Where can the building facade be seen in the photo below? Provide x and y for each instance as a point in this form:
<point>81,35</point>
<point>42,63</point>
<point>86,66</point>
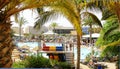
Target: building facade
<point>68,30</point>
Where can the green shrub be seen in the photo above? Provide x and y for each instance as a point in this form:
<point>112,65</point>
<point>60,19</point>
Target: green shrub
<point>64,65</point>
<point>60,64</point>
<point>18,64</point>
<point>37,62</point>
<point>33,62</point>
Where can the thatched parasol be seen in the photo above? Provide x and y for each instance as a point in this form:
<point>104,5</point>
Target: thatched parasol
<point>35,48</point>
<point>25,47</point>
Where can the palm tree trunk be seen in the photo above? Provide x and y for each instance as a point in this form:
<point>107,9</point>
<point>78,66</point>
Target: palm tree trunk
<point>78,50</point>
<point>118,59</point>
<point>117,11</point>
<point>6,45</point>
<point>118,15</point>
<point>20,32</point>
<point>90,34</point>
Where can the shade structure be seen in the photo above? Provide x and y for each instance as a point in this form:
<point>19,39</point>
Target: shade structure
<point>18,35</point>
<point>35,48</point>
<point>25,47</point>
<point>94,35</point>
<point>49,33</point>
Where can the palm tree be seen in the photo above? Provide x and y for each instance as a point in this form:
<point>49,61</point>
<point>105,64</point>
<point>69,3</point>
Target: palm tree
<point>54,25</point>
<point>110,29</point>
<point>90,20</point>
<point>114,7</point>
<point>72,13</point>
<point>109,36</point>
<point>113,43</point>
<point>21,21</point>
<point>7,9</point>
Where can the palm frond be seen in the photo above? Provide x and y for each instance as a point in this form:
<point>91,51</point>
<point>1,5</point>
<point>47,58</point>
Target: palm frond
<point>87,20</point>
<point>95,4</point>
<point>68,9</point>
<point>28,4</point>
<point>115,43</point>
<point>113,24</point>
<point>21,21</point>
<point>46,16</point>
<point>54,24</point>
<point>40,10</point>
<point>95,18</point>
<point>106,14</point>
<point>113,50</point>
<point>3,3</point>
<point>113,36</point>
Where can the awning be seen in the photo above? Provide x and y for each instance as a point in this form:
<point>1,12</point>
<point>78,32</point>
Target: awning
<point>49,33</point>
<point>94,35</point>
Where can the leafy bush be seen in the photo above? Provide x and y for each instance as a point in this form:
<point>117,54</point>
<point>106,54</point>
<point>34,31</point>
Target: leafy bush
<point>64,65</point>
<point>18,64</point>
<point>37,62</point>
<point>33,62</point>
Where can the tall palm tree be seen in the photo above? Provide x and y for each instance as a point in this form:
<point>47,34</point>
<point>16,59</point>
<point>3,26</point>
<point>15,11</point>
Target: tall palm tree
<point>69,9</point>
<point>109,13</point>
<point>90,19</point>
<point>114,7</point>
<point>8,8</point>
<point>109,36</point>
<point>54,25</point>
<point>21,21</point>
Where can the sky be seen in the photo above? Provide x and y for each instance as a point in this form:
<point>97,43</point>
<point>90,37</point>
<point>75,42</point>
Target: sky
<point>31,16</point>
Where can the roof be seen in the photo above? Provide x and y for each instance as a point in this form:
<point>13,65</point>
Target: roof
<point>94,35</point>
<point>61,27</point>
<point>49,33</point>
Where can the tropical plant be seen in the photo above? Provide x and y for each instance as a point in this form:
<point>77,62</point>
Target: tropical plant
<point>21,21</point>
<point>112,5</point>
<point>12,33</point>
<point>88,57</point>
<point>44,16</point>
<point>53,25</point>
<point>109,34</point>
<point>62,65</point>
<point>65,65</point>
<point>88,20</point>
<point>96,29</point>
<point>109,38</point>
<point>110,45</point>
<point>7,9</point>
<point>19,64</point>
<point>109,6</point>
<point>91,20</point>
<point>37,62</point>
<point>33,62</point>
<point>71,11</point>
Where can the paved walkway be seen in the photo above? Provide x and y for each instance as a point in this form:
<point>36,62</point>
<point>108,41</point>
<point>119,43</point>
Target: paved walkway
<point>110,65</point>
<point>82,66</point>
